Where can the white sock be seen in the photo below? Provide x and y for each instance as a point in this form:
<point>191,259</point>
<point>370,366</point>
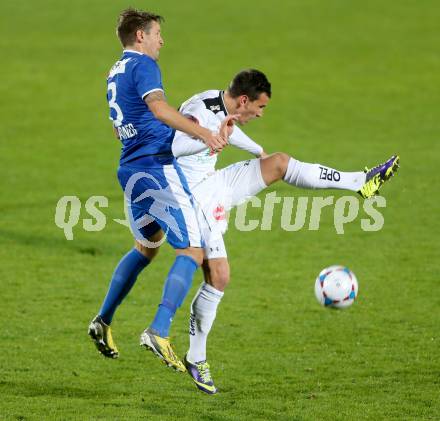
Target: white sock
<point>317,176</point>
<point>203,312</point>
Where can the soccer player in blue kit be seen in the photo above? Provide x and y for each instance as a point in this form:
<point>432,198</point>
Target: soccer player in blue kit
<point>158,197</point>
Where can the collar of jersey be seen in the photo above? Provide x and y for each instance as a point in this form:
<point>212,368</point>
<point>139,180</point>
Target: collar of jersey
<point>133,51</point>
<point>222,93</point>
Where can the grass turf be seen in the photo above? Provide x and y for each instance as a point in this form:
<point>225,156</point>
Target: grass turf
<point>352,83</point>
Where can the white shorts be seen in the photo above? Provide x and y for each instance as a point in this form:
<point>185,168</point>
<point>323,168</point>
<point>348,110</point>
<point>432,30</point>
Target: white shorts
<point>219,193</point>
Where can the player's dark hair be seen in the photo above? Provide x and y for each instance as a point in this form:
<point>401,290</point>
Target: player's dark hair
<point>249,82</point>
<point>130,21</point>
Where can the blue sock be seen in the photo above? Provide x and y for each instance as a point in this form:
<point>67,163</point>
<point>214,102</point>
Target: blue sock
<point>176,288</point>
<point>122,281</point>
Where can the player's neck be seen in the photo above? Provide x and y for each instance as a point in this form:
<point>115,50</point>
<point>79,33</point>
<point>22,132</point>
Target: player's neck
<point>139,48</point>
<point>230,103</point>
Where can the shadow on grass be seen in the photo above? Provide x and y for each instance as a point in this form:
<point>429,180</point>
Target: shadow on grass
<point>94,397</point>
<point>49,242</point>
<point>34,389</point>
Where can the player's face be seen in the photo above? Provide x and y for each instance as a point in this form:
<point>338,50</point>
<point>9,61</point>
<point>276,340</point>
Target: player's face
<point>248,110</point>
<point>152,41</point>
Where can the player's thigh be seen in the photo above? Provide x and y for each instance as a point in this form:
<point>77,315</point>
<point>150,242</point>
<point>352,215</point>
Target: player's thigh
<point>223,190</point>
<point>160,198</point>
<point>241,181</point>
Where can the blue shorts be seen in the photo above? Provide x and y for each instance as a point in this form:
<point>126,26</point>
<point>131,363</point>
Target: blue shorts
<point>158,197</point>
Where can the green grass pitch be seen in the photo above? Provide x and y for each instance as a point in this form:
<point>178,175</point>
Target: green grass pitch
<point>353,82</point>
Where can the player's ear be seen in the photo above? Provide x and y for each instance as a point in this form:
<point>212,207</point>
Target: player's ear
<point>140,35</point>
<point>243,99</point>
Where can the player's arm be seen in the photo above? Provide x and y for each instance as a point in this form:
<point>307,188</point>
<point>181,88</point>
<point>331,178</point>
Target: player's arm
<point>185,145</point>
<point>164,112</point>
<point>242,141</point>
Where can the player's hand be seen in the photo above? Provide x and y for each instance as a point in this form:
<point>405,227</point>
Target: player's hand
<point>214,141</point>
<point>262,155</point>
<point>217,141</point>
<point>225,130</point>
<point>227,126</point>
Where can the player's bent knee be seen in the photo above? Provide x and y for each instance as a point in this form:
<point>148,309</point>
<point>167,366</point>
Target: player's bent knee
<point>148,252</point>
<point>274,167</point>
<point>281,163</point>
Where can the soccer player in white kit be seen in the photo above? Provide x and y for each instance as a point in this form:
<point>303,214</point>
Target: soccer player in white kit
<point>216,192</point>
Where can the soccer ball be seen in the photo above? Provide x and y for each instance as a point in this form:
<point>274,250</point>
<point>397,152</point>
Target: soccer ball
<point>336,286</point>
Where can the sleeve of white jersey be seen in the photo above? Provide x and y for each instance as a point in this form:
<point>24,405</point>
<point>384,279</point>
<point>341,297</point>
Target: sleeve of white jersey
<point>183,144</point>
<point>240,140</point>
<point>196,110</point>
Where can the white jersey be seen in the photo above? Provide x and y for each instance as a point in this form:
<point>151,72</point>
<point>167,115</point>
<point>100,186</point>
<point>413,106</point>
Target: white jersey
<point>197,162</point>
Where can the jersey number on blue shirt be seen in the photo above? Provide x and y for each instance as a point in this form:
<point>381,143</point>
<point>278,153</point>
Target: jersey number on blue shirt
<point>112,103</point>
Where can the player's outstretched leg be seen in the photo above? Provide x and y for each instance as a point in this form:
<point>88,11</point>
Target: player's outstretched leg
<point>101,335</point>
<point>280,166</point>
<point>377,176</point>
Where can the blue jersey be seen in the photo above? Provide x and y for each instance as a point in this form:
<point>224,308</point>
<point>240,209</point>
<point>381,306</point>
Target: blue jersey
<point>133,77</point>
